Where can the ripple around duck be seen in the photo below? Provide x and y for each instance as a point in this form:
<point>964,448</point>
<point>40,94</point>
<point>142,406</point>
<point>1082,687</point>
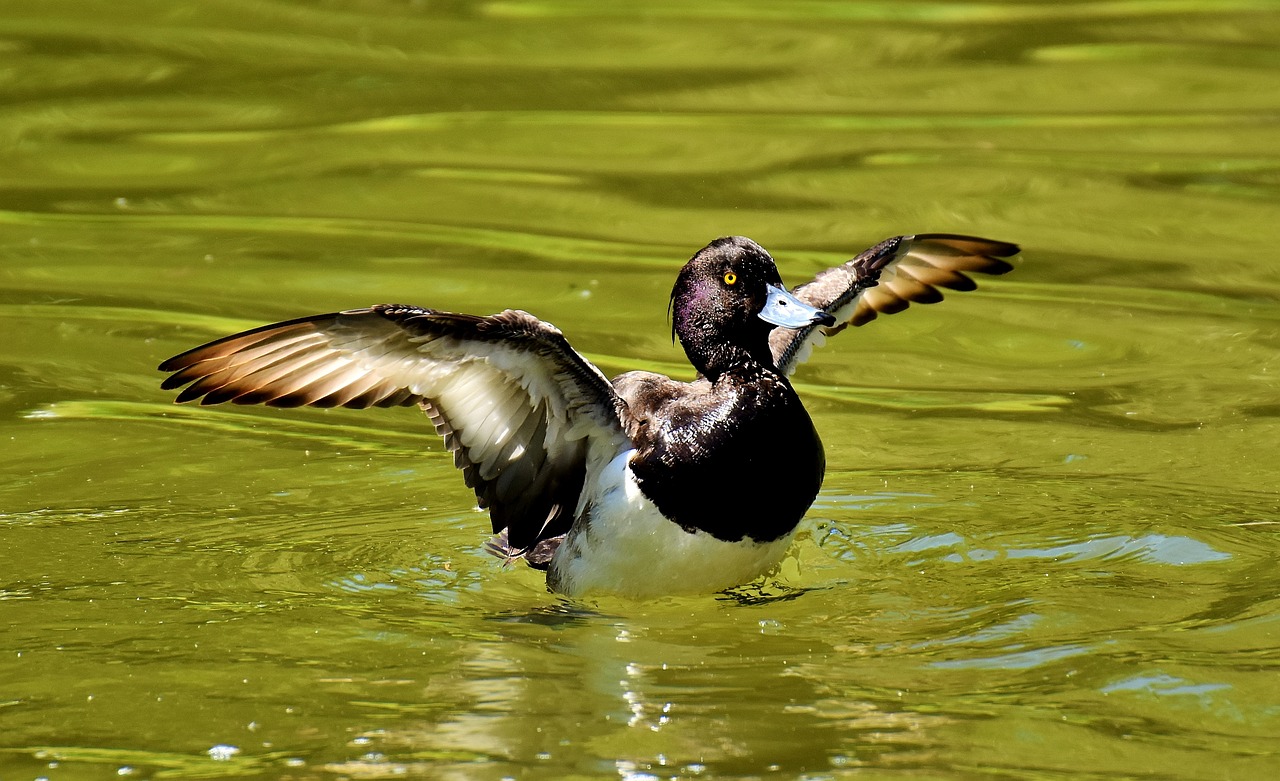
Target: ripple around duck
<point>560,248</point>
<point>917,12</point>
<point>330,434</point>
<point>217,762</point>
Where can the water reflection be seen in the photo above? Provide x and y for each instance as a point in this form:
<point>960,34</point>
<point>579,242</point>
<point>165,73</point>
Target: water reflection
<point>599,691</point>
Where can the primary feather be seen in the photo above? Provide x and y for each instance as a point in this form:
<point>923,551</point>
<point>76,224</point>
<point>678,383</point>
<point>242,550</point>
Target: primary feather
<point>886,279</point>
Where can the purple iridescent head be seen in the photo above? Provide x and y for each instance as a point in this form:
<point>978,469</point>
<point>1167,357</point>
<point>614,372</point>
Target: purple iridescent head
<point>727,299</point>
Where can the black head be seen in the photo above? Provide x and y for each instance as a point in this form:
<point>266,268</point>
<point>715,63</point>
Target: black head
<point>727,299</point>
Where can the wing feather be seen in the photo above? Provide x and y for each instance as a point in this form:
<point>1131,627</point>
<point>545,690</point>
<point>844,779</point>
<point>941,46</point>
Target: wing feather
<point>886,279</point>
<point>519,408</point>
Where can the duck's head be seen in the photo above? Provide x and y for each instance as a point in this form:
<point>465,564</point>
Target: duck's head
<point>727,299</point>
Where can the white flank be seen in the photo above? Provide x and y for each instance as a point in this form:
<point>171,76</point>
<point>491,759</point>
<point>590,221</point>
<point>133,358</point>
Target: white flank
<point>629,549</point>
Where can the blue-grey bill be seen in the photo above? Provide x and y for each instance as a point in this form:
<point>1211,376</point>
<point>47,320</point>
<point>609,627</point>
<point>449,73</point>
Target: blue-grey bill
<point>784,309</point>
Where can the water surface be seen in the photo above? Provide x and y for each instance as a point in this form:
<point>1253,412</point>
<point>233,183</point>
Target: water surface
<point>1046,546</point>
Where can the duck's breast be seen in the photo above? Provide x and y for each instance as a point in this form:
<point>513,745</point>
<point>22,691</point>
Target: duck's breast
<point>623,545</point>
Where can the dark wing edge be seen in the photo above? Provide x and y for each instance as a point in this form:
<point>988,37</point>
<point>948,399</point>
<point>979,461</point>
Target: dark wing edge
<point>886,279</point>
<point>517,406</point>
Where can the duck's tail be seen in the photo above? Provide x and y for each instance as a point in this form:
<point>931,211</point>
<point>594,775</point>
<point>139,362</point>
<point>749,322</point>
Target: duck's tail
<point>537,556</point>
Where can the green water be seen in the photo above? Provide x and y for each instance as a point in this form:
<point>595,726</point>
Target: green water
<point>1047,543</point>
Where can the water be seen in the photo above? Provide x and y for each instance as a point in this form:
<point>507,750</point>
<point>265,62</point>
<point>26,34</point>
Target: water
<point>1046,545</point>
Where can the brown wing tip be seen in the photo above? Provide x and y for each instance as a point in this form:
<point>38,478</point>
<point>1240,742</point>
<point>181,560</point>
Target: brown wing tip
<point>187,372</point>
<point>862,315</point>
<point>941,261</point>
<point>986,264</point>
<point>172,382</point>
<point>956,244</point>
<point>186,360</point>
<point>279,365</point>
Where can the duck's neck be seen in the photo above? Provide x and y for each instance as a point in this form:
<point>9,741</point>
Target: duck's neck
<point>713,361</point>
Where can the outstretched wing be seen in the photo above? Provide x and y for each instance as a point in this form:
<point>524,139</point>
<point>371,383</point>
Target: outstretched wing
<point>515,403</point>
<point>885,279</point>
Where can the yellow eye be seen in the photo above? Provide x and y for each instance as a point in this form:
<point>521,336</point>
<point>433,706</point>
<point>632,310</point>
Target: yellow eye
<point>730,278</point>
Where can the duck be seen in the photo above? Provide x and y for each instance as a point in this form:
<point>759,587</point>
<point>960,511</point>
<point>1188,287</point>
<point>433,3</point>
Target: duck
<point>641,486</point>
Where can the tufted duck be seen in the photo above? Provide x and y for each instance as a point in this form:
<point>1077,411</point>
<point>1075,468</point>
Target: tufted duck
<point>638,487</point>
